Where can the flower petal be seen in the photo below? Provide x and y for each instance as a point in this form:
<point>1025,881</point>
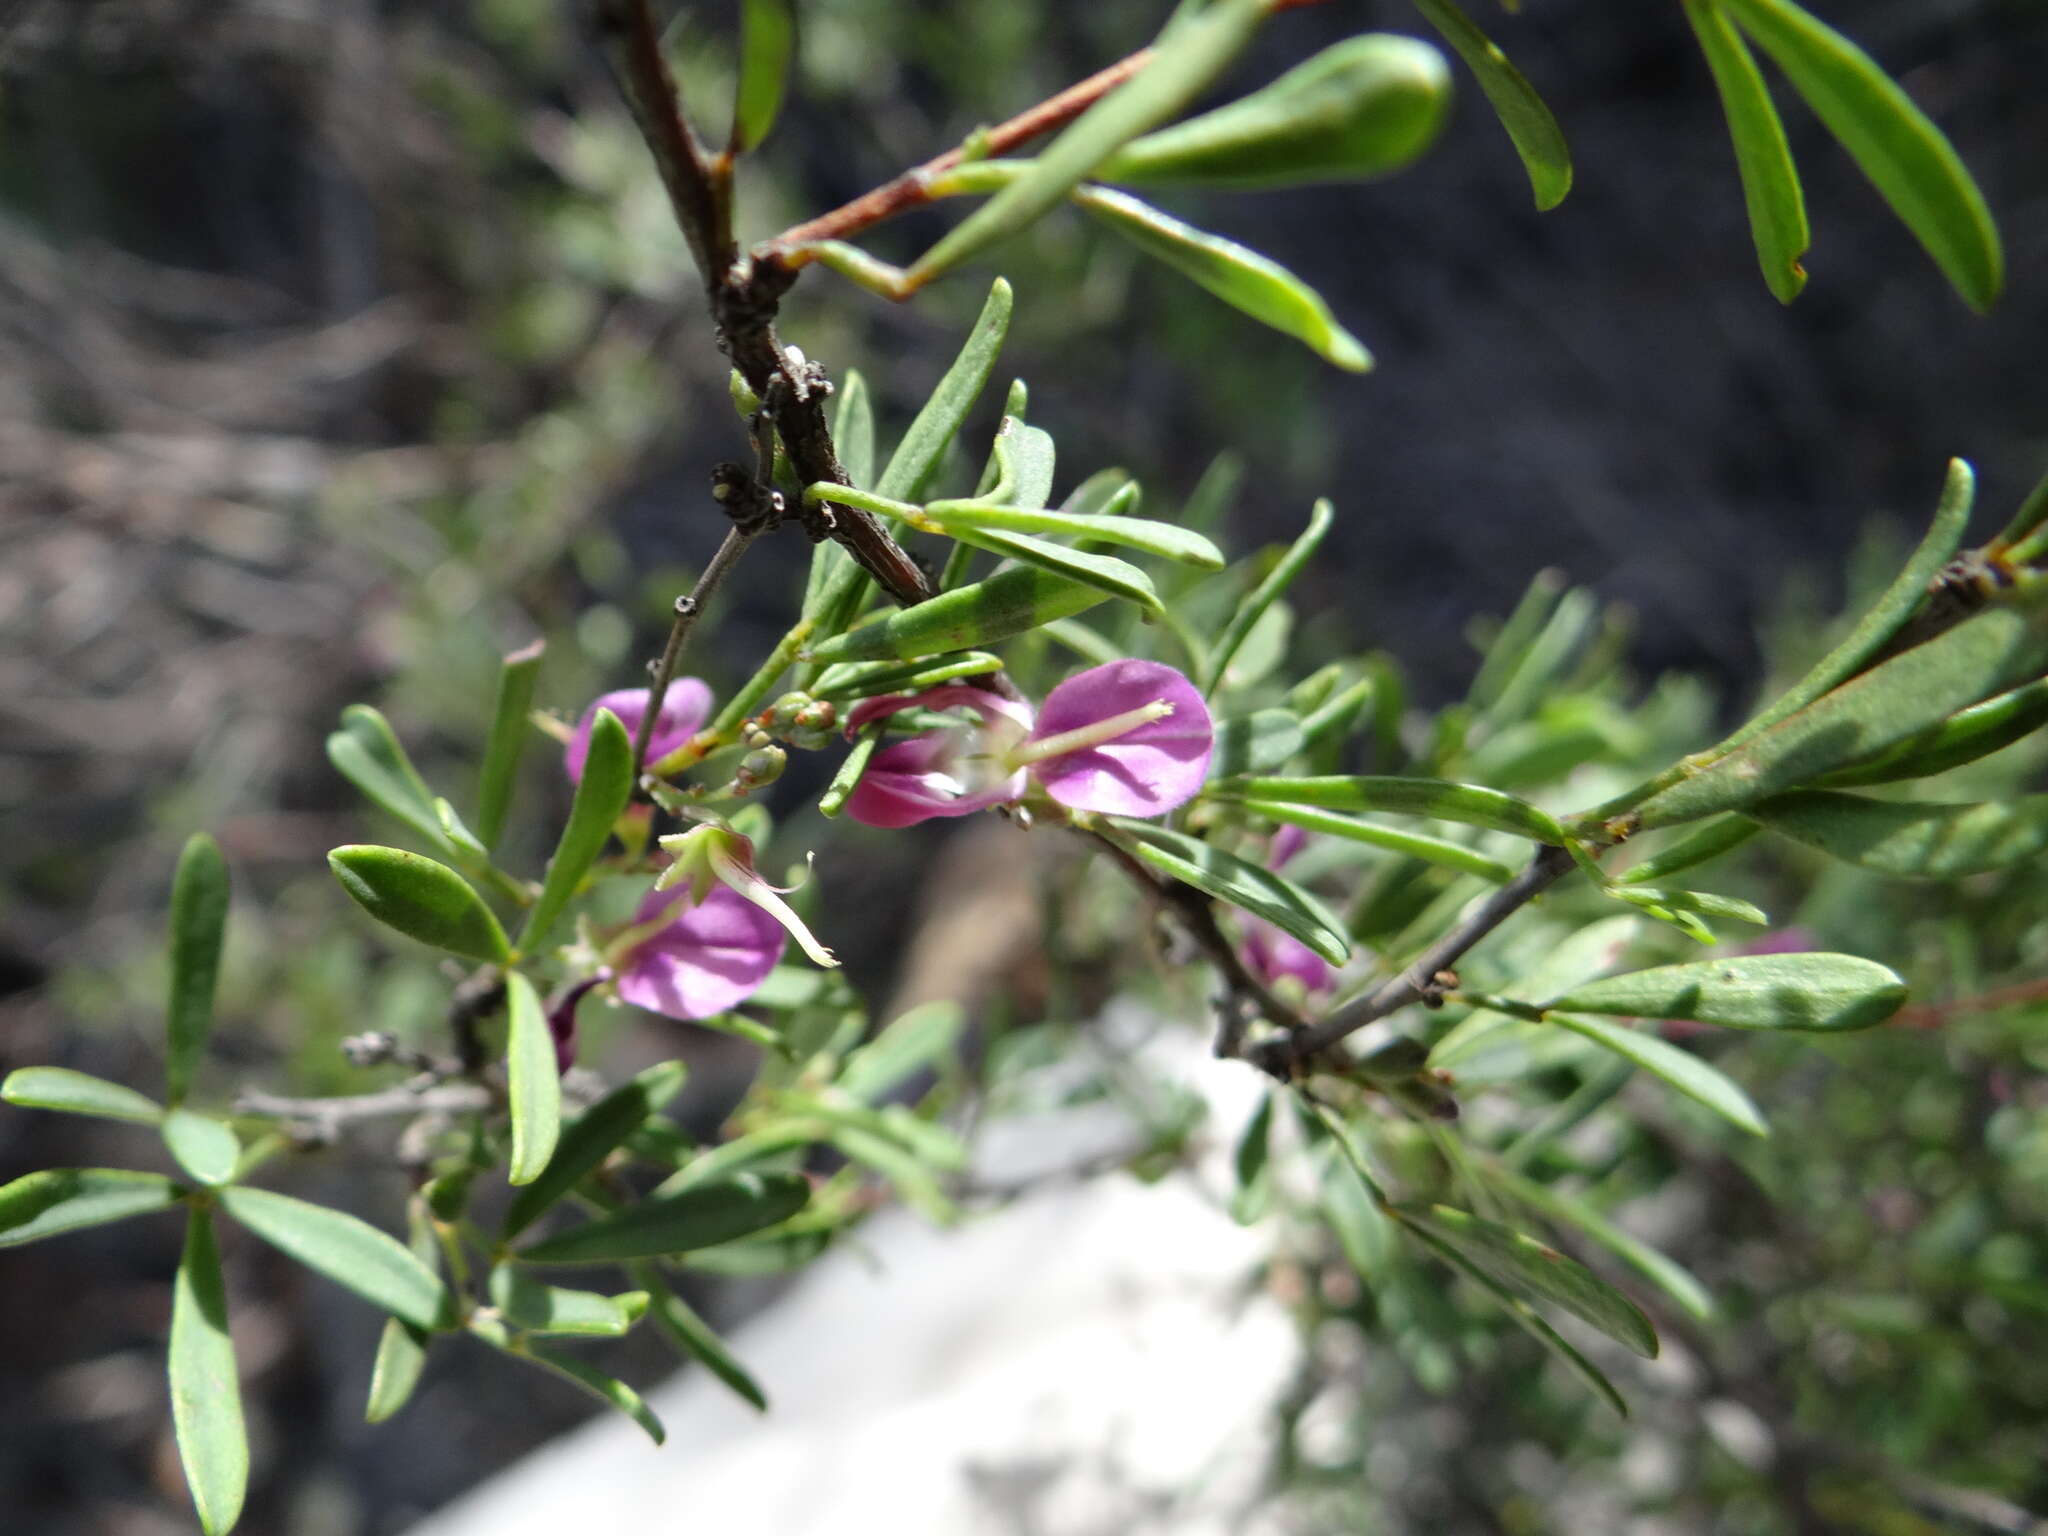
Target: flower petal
<point>684,709</point>
<point>714,956</point>
<point>991,706</point>
<point>1271,953</point>
<point>1287,842</point>
<point>1149,769</point>
<point>914,781</point>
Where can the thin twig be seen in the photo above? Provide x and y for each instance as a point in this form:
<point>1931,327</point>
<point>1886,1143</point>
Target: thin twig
<point>328,1117</point>
<point>1284,1057</point>
<point>1934,1015</point>
<point>688,607</point>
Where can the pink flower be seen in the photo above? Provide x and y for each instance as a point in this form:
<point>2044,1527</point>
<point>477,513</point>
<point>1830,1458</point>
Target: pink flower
<point>693,959</point>
<point>1132,738</point>
<point>684,709</point>
<point>1272,952</point>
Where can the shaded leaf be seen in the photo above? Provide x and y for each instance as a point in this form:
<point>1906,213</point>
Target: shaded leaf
<point>1806,992</point>
<point>1763,159</point>
<point>510,730</point>
<point>867,680</point>
<point>534,1086</point>
<point>1696,1079</point>
<point>204,1147</point>
<point>699,1217</point>
<point>199,916</point>
<point>1529,124</point>
<point>77,1093</point>
<point>1911,839</point>
<point>1416,845</point>
<point>692,1336</point>
<point>366,752</point>
<point>917,1039</point>
<point>206,1393</point>
<point>55,1200</point>
<point>1008,603</point>
<point>1473,804</point>
<point>1668,1276</point>
<point>1169,541</point>
<point>421,899</point>
<point>1118,578</point>
<point>534,1307</point>
<point>606,1389</point>
<point>767,44</point>
<point>1267,592</point>
<point>401,1357</point>
<point>1228,878</point>
<point>1695,848</point>
<point>1250,1162</point>
<point>589,1139</point>
<point>1963,737</point>
<point>350,1252</point>
<point>601,796</point>
<point>1255,743</point>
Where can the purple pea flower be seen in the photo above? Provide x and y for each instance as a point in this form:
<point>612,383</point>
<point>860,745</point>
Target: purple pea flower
<point>691,959</point>
<point>684,709</point>
<point>1272,952</point>
<point>1132,738</point>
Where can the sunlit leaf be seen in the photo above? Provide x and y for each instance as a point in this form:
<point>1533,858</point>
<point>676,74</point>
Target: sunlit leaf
<point>602,794</point>
<point>1473,804</point>
<point>199,915</point>
<point>1694,1078</point>
<point>535,1307</point>
<point>350,1252</point>
<point>54,1200</point>
<point>1802,992</point>
<point>698,1217</point>
<point>401,1357</point>
<point>917,1039</point>
<point>1169,541</point>
<point>1262,597</point>
<point>1255,743</point>
<point>1416,845</point>
<point>1010,602</point>
<point>1529,124</point>
<point>1963,737</point>
<point>534,1086</point>
<point>510,731</point>
<point>366,752</point>
<point>1671,1278</point>
<point>1763,159</point>
<point>692,1336</point>
<point>767,44</point>
<point>1911,839</point>
<point>204,1147</point>
<point>1225,876</point>
<point>1117,578</point>
<point>421,899</point>
<point>77,1093</point>
<point>206,1393</point>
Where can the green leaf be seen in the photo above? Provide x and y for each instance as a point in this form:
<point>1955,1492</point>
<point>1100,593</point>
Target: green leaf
<point>1254,1191</point>
<point>698,1217</point>
<point>1416,845</point>
<point>1473,804</point>
<point>421,899</point>
<point>600,798</point>
<point>1116,577</point>
<point>606,1389</point>
<point>1106,492</point>
<point>1236,274</point>
<point>1697,847</point>
<point>1010,602</point>
<point>917,456</point>
<point>537,1308</point>
<point>1526,1317</point>
<point>1255,743</point>
<point>589,1139</point>
<point>869,680</point>
<point>1190,53</point>
<point>1963,737</point>
<point>1911,839</point>
<point>1668,1276</point>
<point>916,1039</point>
<point>1706,903</point>
<point>1806,992</point>
<point>692,1336</point>
<point>1167,540</point>
<point>1024,458</point>
<point>1903,154</point>
<point>767,43</point>
<point>1770,181</point>
<point>914,1182</point>
<point>1533,1269</point>
<point>1877,710</point>
<point>1228,878</point>
<point>1907,592</point>
<point>534,1086</point>
<point>846,778</point>
<point>352,1253</point>
<point>853,428</point>
<point>77,1093</point>
<point>1537,138</point>
<point>206,1393</point>
<point>199,917</point>
<point>40,1205</point>
<point>401,1357</point>
<point>1267,592</point>
<point>1681,1069</point>
<point>366,752</point>
<point>510,731</point>
<point>1364,107</point>
<point>204,1147</point>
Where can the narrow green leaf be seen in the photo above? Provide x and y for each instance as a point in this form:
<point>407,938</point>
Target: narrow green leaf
<point>1706,903</point>
<point>600,798</point>
<point>1763,159</point>
<point>1694,1078</point>
<point>917,456</point>
<point>869,680</point>
<point>1228,878</point>
<point>77,1093</point>
<point>1104,493</point>
<point>692,1336</point>
<point>1963,737</point>
<point>204,1147</point>
<point>401,1357</point>
<point>1473,804</point>
<point>1239,276</point>
<point>199,917</point>
<point>1536,1270</point>
<point>1118,578</point>
<point>1907,592</point>
<point>589,1139</point>
<point>1538,666</point>
<point>1255,743</point>
<point>1537,138</point>
<point>1167,540</point>
<point>767,44</point>
<point>1904,155</point>
<point>1010,602</point>
<point>366,752</point>
<point>916,1039</point>
<point>510,730</point>
<point>1694,849</point>
<point>1525,1316</point>
<point>206,1392</point>
<point>1416,845</point>
<point>534,1087</point>
<point>1267,592</point>
<point>534,1307</point>
<point>1253,1194</point>
<point>1190,54</point>
<point>54,1200</point>
<point>1911,839</point>
<point>847,777</point>
<point>352,1253</point>
<point>1364,107</point>
<point>1872,712</point>
<point>421,899</point>
<point>853,428</point>
<point>1673,1279</point>
<point>916,1185</point>
<point>1024,458</point>
<point>1806,992</point>
<point>698,1217</point>
<point>1503,655</point>
<point>606,1389</point>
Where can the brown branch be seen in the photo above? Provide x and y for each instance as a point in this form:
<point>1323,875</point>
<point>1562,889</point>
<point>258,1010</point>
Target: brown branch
<point>1285,1057</point>
<point>1934,1015</point>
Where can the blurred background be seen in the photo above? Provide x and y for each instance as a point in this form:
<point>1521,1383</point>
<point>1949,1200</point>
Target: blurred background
<point>344,346</point>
